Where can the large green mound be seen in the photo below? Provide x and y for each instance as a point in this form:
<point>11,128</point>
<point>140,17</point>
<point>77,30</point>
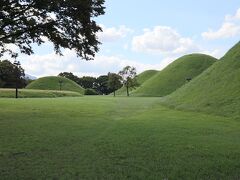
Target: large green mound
<point>52,83</point>
<point>146,75</point>
<point>217,90</point>
<point>141,78</point>
<point>175,75</point>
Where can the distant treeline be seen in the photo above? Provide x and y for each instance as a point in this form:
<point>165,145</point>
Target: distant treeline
<point>99,85</point>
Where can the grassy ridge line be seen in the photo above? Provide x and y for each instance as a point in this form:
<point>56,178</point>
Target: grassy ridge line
<point>174,75</point>
<point>31,93</point>
<point>216,91</point>
<point>141,78</point>
<point>52,83</point>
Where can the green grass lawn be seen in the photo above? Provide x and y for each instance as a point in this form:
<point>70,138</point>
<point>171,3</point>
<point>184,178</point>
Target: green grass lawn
<point>34,93</point>
<point>114,138</point>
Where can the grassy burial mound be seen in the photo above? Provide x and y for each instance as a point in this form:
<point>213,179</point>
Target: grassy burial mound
<point>54,83</point>
<point>217,90</point>
<point>146,75</point>
<point>141,78</point>
<point>175,75</point>
<point>34,93</point>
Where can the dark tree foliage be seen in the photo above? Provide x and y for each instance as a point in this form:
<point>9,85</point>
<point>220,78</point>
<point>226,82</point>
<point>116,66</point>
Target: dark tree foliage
<point>129,75</point>
<point>66,23</point>
<point>87,82</point>
<point>101,85</point>
<point>9,74</point>
<point>70,76</point>
<point>114,82</point>
<point>104,84</point>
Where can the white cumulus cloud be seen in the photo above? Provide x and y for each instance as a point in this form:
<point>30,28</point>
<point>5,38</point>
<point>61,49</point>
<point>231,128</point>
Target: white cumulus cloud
<point>113,34</point>
<point>233,17</point>
<point>52,64</point>
<point>229,28</point>
<point>162,40</point>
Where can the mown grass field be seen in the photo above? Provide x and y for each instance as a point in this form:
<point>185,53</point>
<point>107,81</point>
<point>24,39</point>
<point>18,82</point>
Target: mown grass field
<point>114,138</point>
<point>34,93</point>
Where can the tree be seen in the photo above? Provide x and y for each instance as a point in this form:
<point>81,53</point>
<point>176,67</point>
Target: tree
<point>87,82</point>
<point>65,23</point>
<point>129,75</point>
<point>10,75</point>
<point>70,76</point>
<point>114,82</point>
<point>101,85</point>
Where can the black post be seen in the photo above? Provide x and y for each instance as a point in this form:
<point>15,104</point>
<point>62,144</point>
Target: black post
<point>17,65</point>
<point>16,93</point>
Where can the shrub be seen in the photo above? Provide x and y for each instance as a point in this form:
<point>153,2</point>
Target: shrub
<point>90,91</point>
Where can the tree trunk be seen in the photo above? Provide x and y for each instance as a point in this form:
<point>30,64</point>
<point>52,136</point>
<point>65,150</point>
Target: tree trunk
<point>114,93</point>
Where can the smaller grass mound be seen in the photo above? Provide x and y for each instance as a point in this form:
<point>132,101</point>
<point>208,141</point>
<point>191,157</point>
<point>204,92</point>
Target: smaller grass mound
<point>175,75</point>
<point>53,83</point>
<point>141,78</point>
<point>31,93</point>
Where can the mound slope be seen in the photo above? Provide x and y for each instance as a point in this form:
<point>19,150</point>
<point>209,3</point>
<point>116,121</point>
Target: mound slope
<point>174,75</point>
<point>141,78</point>
<point>52,83</point>
<point>217,90</point>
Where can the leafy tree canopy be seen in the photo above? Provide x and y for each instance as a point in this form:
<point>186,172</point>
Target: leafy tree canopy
<point>66,23</point>
<point>101,85</point>
<point>114,82</point>
<point>70,75</point>
<point>129,75</point>
<point>9,74</point>
<point>87,82</point>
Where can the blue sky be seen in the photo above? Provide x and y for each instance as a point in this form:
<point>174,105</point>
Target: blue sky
<point>148,35</point>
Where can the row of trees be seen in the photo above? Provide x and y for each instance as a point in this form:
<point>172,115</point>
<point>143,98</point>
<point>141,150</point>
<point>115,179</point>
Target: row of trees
<point>99,84</point>
<point>106,84</point>
<point>10,75</point>
<point>67,24</point>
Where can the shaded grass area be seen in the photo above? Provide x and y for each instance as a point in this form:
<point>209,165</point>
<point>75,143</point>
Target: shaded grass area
<point>30,93</point>
<point>114,138</point>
